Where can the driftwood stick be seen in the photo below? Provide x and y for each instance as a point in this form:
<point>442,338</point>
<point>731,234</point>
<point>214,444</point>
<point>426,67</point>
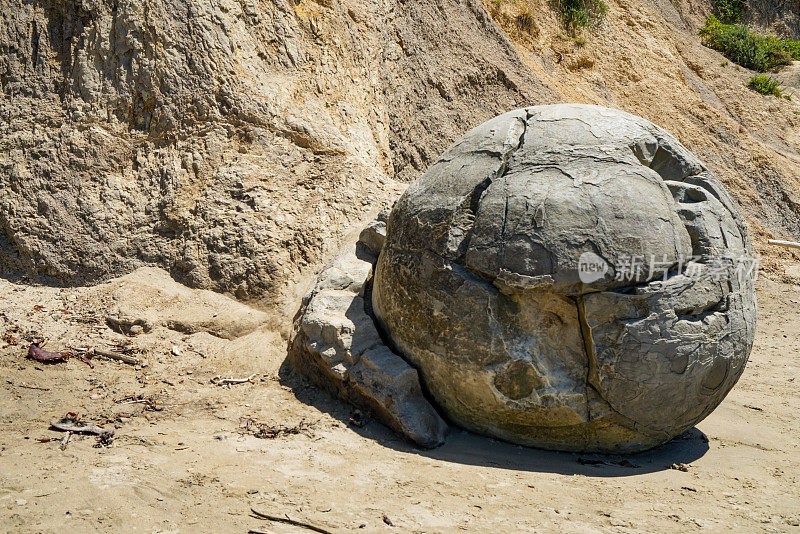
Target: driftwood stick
<point>69,424</point>
<point>289,521</point>
<point>26,386</point>
<point>32,387</point>
<point>790,244</point>
<point>116,356</point>
<point>228,381</point>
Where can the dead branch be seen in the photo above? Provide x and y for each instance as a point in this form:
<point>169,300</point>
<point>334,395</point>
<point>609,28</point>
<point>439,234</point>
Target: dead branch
<point>27,386</point>
<point>228,381</point>
<point>116,356</point>
<point>70,424</point>
<point>289,521</point>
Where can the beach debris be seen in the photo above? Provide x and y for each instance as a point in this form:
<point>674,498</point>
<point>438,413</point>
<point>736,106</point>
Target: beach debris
<point>84,359</point>
<point>71,423</point>
<point>116,356</point>
<point>111,355</point>
<point>9,339</point>
<point>248,425</point>
<point>26,386</point>
<point>149,402</point>
<point>289,521</point>
<point>219,381</point>
<point>37,353</point>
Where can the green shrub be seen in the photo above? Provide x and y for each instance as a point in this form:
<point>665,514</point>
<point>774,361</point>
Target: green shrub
<point>579,13</point>
<point>729,10</point>
<point>750,50</point>
<point>767,86</point>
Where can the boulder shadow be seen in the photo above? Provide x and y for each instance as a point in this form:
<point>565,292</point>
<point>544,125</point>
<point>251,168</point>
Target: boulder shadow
<point>464,447</point>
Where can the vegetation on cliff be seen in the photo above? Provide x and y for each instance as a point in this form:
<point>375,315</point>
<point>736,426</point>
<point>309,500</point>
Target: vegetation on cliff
<point>750,50</point>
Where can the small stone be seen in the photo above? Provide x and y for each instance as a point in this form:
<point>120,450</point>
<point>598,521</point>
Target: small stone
<point>373,236</point>
<point>135,330</point>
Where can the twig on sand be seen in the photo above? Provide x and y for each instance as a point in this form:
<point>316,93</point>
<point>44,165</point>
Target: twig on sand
<point>289,521</point>
<point>23,385</point>
<point>70,424</point>
<point>116,356</point>
<point>81,351</point>
<point>140,399</point>
<point>228,381</point>
<point>84,359</point>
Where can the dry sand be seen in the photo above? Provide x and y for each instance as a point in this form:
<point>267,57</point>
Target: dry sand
<point>192,468</point>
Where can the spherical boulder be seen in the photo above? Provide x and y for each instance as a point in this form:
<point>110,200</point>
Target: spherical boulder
<point>569,277</point>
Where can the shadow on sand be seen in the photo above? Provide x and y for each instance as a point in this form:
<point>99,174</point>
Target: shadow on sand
<point>467,448</point>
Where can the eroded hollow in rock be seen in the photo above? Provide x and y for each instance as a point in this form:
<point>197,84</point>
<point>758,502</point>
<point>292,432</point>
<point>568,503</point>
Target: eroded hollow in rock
<point>479,283</point>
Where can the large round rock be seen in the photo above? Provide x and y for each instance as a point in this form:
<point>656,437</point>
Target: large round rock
<point>569,277</point>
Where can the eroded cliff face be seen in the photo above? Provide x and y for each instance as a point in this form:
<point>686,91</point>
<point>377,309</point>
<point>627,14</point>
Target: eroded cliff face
<point>232,143</point>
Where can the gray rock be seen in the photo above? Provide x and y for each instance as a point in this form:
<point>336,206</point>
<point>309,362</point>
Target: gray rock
<point>480,284</point>
<point>373,236</point>
<point>338,347</point>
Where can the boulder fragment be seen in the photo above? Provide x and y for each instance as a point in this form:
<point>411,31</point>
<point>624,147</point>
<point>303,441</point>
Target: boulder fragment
<point>338,346</point>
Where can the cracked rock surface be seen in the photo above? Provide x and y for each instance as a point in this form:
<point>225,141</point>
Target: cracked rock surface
<point>478,283</point>
<point>338,346</point>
